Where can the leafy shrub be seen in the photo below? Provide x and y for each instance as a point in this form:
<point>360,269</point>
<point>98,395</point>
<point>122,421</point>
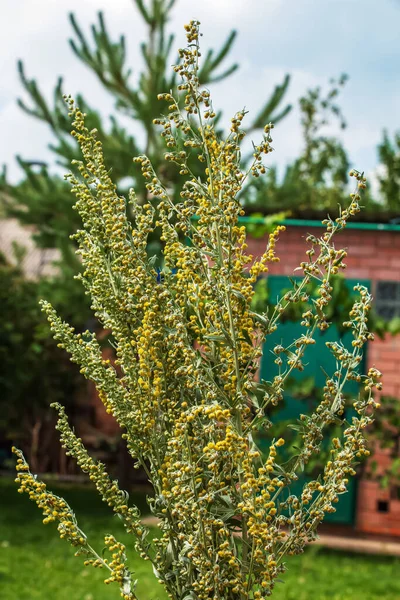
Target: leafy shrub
<point>188,344</point>
<point>33,371</point>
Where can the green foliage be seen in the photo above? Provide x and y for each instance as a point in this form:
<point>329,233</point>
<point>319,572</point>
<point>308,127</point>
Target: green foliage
<point>50,207</point>
<point>389,180</point>
<point>317,180</point>
<point>259,225</point>
<point>33,371</point>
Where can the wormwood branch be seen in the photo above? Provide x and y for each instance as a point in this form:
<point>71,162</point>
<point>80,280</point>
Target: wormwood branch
<point>108,490</point>
<point>56,509</point>
<point>187,347</point>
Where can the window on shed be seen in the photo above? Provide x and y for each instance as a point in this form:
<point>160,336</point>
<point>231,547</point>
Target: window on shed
<point>387,299</point>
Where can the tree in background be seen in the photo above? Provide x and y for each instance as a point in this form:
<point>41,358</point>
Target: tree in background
<point>33,370</point>
<point>317,180</point>
<point>43,199</point>
<point>389,179</point>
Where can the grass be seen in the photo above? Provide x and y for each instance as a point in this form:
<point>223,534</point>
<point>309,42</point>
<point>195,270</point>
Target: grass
<point>36,565</point>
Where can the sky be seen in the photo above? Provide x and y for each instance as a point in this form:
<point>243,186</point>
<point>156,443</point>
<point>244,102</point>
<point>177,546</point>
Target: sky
<point>313,40</point>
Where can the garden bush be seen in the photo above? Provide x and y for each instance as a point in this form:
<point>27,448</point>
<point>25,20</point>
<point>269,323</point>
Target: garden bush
<point>187,346</point>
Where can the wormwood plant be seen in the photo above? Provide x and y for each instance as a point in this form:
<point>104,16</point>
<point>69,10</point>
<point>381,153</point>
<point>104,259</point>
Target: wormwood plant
<point>187,347</point>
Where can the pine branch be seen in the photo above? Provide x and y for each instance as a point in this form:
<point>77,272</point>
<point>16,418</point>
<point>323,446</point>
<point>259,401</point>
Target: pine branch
<point>107,60</point>
<point>41,110</point>
<point>266,114</point>
<point>212,62</point>
<point>143,10</point>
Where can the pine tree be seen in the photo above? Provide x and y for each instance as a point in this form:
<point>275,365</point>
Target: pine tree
<point>43,199</point>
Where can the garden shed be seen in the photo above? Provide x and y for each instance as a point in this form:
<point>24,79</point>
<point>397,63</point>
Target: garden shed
<point>373,260</point>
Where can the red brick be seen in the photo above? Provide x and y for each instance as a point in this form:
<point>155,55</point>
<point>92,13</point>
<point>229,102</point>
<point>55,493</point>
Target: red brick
<point>390,378</point>
<point>387,275</point>
<point>394,262</point>
<point>390,355</point>
<point>358,273</point>
<point>385,240</point>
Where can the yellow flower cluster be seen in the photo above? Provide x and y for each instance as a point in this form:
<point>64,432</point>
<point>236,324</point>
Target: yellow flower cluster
<point>119,572</point>
<point>54,509</point>
<point>108,489</point>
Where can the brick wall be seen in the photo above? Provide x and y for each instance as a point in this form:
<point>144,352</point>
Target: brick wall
<point>375,256</point>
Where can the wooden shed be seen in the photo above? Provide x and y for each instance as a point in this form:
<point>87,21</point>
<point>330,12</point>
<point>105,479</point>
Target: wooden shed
<point>373,260</point>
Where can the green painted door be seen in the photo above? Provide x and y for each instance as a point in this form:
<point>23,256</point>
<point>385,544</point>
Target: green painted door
<point>318,360</point>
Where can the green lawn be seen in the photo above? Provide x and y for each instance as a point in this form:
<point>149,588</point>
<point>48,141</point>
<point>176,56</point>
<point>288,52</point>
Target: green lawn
<point>36,565</point>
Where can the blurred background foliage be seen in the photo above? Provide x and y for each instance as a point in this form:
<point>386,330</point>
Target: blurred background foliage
<point>33,371</point>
